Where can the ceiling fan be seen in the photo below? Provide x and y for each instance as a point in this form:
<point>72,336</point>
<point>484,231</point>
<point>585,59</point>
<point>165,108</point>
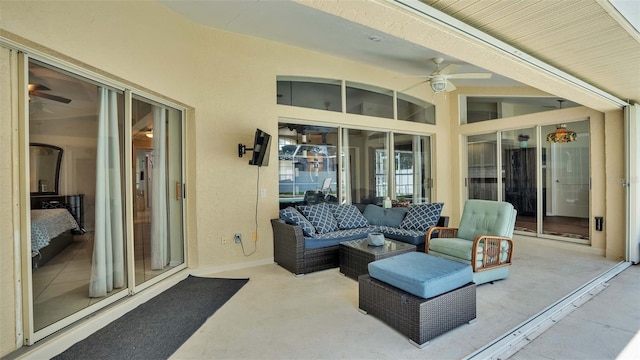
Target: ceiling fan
<point>440,77</point>
<point>36,90</point>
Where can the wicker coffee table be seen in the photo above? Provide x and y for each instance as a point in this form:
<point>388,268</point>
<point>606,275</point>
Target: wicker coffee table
<point>355,255</point>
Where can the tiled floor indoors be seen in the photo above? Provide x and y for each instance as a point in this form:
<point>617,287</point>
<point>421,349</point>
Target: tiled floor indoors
<point>280,316</point>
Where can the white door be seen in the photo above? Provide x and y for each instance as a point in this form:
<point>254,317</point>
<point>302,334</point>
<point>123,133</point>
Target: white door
<point>570,178</point>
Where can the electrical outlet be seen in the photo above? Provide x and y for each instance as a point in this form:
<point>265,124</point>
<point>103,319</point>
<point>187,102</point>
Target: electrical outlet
<point>254,236</point>
<point>223,240</point>
<point>263,192</point>
<point>238,238</point>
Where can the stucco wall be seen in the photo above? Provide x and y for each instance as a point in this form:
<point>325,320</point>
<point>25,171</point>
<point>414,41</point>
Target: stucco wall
<point>614,168</point>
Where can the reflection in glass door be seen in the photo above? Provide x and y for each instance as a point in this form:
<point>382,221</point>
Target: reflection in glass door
<point>567,184</point>
<point>365,165</point>
<point>412,167</point>
<point>71,223</point>
<point>519,169</point>
<point>158,190</point>
<point>482,178</point>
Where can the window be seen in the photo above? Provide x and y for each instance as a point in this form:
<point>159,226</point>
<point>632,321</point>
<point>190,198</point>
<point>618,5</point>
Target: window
<point>362,99</point>
<point>308,164</point>
<point>369,100</point>
<point>416,110</point>
<point>483,108</point>
<point>320,94</point>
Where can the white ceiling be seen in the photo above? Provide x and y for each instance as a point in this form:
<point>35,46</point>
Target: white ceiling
<point>586,39</point>
<point>295,24</point>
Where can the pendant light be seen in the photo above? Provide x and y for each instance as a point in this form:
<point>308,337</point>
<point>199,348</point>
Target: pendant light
<point>562,134</point>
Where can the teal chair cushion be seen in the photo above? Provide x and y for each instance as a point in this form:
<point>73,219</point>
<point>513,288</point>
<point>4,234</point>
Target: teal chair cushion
<point>484,217</point>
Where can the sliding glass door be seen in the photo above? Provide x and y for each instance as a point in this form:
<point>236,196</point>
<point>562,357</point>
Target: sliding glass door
<point>308,164</point>
<point>81,256</point>
<point>78,245</point>
<point>566,182</point>
<point>353,169</point>
<point>156,132</point>
<point>520,176</point>
<point>546,181</point>
<point>482,174</point>
<point>366,165</point>
<point>412,169</point>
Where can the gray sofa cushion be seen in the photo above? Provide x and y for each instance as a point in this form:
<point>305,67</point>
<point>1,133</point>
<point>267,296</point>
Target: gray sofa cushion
<point>422,216</point>
<point>349,217</point>
<point>377,215</point>
<point>321,216</point>
<point>293,216</point>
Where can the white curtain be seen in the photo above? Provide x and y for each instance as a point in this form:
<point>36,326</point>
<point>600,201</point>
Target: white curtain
<point>107,267</point>
<point>159,227</point>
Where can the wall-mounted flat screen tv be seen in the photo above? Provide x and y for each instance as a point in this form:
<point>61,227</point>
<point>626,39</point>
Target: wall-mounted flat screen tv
<point>260,149</point>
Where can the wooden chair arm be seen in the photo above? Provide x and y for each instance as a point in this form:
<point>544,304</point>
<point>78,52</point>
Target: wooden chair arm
<point>443,232</point>
<point>492,252</point>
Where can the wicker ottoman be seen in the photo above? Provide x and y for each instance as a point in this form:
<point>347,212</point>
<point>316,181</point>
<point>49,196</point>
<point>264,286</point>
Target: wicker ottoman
<point>420,295</point>
<point>419,319</point>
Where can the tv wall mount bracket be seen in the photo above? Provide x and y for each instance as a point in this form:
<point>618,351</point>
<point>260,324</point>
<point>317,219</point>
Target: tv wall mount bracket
<point>242,149</point>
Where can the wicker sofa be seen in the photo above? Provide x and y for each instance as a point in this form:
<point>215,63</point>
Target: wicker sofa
<point>307,238</point>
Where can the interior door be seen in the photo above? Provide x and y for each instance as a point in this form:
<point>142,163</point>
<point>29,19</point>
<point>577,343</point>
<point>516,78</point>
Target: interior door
<point>570,177</point>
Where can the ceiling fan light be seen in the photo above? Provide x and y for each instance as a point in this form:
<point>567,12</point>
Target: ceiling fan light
<point>438,85</point>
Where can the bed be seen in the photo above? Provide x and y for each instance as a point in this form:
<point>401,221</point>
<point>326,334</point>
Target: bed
<point>51,232</point>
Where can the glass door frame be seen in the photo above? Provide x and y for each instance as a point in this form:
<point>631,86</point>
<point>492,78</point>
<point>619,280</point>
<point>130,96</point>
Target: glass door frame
<point>130,195</point>
<point>30,335</point>
<point>539,181</point>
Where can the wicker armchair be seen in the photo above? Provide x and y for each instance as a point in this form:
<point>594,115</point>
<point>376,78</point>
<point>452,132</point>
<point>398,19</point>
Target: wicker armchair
<point>483,239</point>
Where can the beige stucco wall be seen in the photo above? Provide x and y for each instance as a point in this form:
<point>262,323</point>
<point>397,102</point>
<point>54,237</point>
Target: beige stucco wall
<point>614,170</point>
<point>228,84</point>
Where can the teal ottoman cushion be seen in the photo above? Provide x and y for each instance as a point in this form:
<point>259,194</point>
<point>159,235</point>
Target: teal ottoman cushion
<point>421,274</point>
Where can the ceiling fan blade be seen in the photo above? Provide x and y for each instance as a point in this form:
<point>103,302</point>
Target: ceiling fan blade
<point>415,85</point>
<point>414,76</point>
<point>470,76</point>
<point>35,87</point>
<point>448,69</point>
<point>50,97</point>
<point>450,87</point>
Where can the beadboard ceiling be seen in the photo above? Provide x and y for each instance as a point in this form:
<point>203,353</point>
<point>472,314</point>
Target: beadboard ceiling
<point>587,39</point>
